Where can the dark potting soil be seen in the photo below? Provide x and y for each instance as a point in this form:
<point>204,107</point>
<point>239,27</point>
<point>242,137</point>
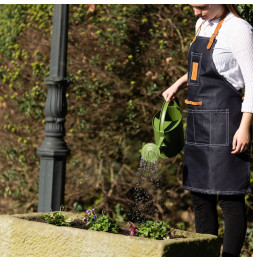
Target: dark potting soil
<point>77,223</point>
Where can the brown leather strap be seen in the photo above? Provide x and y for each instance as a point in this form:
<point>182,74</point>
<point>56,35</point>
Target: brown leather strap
<point>193,103</point>
<point>211,40</point>
<point>197,32</point>
<point>198,103</point>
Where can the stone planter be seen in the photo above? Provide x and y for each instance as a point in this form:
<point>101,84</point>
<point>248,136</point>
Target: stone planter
<point>20,237</point>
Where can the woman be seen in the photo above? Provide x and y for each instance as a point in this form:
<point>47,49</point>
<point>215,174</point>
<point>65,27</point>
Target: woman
<point>217,143</point>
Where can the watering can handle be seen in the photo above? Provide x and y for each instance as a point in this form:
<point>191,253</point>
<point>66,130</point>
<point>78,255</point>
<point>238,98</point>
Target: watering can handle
<point>163,113</point>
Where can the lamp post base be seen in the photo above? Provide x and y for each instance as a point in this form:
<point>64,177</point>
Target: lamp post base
<point>52,180</point>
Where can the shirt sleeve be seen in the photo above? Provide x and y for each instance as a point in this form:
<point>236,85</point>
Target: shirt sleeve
<point>242,49</point>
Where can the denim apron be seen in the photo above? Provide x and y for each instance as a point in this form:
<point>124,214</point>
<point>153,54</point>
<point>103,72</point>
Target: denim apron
<point>213,116</point>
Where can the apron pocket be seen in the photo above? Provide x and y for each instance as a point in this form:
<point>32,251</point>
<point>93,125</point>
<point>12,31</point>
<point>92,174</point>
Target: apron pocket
<point>202,127</point>
<point>207,127</point>
<point>195,68</point>
<point>219,127</point>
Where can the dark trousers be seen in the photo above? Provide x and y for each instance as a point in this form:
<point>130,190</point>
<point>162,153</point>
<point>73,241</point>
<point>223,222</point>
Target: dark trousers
<point>206,219</point>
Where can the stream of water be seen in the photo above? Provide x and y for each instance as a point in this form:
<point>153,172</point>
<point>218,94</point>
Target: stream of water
<point>145,191</point>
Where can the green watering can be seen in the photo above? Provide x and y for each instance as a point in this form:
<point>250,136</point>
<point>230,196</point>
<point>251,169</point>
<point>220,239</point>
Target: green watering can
<point>169,134</point>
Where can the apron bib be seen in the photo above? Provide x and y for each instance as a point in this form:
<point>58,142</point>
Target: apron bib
<point>213,116</point>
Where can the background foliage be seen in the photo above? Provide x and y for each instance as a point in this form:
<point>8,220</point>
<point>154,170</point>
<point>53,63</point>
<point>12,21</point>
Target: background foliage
<point>120,59</point>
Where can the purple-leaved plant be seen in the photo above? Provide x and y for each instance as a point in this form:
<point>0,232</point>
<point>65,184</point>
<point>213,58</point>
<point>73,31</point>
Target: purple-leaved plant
<point>90,213</point>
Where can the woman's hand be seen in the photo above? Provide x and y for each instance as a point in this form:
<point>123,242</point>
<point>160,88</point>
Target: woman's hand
<point>170,93</point>
<point>241,140</point>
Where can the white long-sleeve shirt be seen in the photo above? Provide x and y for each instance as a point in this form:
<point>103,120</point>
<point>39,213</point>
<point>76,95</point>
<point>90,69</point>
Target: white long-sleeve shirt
<point>233,53</point>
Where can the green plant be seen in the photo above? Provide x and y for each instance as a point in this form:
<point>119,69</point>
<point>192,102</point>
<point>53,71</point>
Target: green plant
<point>100,222</point>
<point>10,153</point>
<point>32,102</point>
<point>57,219</point>
<point>153,229</point>
<point>11,24</point>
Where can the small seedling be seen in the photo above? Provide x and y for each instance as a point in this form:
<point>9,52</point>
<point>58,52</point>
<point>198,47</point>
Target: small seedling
<point>57,219</point>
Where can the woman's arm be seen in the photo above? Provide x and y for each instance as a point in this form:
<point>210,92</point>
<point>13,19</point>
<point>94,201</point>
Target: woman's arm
<point>241,140</point>
<point>170,93</point>
<point>241,47</point>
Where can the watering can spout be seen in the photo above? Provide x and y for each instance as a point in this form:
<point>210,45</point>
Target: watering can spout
<point>169,135</point>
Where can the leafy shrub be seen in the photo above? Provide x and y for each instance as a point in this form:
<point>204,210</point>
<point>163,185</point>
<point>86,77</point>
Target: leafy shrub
<point>11,25</point>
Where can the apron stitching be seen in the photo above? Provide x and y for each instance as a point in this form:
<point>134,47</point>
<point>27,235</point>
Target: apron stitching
<point>206,144</point>
<point>216,191</point>
<point>203,111</point>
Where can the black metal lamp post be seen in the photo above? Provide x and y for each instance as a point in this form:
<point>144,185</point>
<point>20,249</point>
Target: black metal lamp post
<point>54,150</point>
